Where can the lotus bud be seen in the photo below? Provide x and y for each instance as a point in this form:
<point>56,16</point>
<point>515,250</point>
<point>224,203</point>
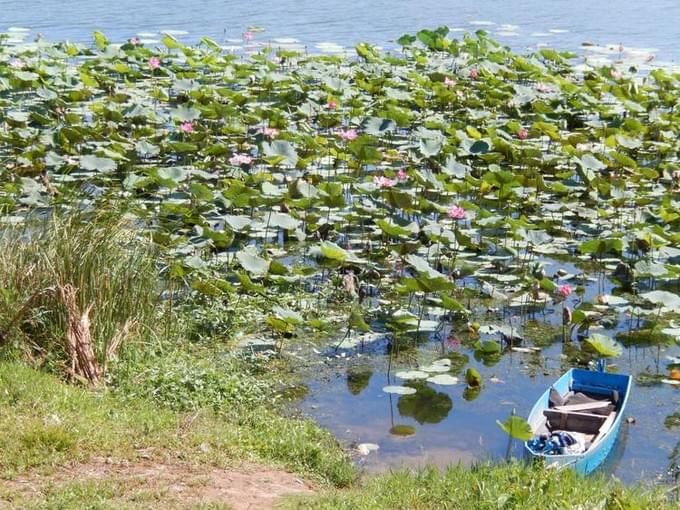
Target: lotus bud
<point>349,283</point>
<point>623,272</point>
<point>642,245</point>
<point>676,177</point>
<point>538,272</point>
<point>566,316</point>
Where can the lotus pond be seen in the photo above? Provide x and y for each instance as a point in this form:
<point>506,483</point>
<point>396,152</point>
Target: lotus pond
<point>434,233</point>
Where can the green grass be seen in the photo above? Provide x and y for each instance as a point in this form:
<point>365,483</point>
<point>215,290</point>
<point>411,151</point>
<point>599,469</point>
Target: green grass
<point>195,377</point>
<point>112,270</point>
<point>486,487</point>
<point>45,422</point>
<point>111,494</point>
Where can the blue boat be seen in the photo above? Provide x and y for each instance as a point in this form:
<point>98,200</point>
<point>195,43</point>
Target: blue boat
<point>576,422</point>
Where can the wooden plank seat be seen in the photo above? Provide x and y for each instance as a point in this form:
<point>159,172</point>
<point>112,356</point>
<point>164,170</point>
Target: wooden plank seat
<point>603,407</point>
<point>586,423</point>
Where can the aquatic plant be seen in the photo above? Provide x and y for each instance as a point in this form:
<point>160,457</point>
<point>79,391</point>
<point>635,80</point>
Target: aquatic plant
<point>448,177</point>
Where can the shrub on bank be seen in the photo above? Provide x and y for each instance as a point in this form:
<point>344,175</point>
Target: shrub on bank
<point>68,284</point>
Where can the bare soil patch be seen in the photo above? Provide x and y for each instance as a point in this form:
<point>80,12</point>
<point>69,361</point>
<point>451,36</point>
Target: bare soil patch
<point>246,486</point>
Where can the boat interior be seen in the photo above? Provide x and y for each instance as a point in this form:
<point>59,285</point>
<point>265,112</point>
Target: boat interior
<point>588,411</point>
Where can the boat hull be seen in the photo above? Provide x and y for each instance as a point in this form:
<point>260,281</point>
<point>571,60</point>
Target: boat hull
<point>584,463</point>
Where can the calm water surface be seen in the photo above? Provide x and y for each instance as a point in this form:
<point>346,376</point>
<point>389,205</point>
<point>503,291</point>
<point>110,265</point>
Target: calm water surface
<point>519,23</point>
<point>451,425</point>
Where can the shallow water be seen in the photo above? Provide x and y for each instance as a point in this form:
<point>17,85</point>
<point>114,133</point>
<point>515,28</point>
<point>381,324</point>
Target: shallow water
<point>519,23</point>
<point>452,427</point>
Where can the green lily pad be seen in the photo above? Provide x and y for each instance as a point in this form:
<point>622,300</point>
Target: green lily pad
<point>517,428</point>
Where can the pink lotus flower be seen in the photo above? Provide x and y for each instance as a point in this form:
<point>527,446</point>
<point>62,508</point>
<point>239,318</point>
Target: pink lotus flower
<point>383,182</point>
<point>331,105</point>
<point>522,134</point>
<point>348,134</point>
<point>269,132</point>
<point>17,64</point>
<point>240,159</point>
<point>248,36</point>
<point>186,127</point>
<point>134,41</point>
<point>154,63</point>
<point>473,73</point>
<point>452,341</point>
<point>402,176</point>
<point>449,82</point>
<point>544,87</point>
<point>456,213</point>
<point>617,75</point>
<point>565,291</point>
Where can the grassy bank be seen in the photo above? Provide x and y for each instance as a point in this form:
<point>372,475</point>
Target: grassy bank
<point>487,487</point>
<point>46,423</point>
<point>164,395</point>
<point>185,399</point>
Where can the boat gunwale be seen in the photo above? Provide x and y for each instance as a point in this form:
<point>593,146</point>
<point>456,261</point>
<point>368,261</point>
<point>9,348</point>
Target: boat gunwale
<point>564,460</point>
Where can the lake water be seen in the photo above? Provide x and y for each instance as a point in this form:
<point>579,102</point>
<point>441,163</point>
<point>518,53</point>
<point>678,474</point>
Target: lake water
<point>522,24</point>
<point>450,424</point>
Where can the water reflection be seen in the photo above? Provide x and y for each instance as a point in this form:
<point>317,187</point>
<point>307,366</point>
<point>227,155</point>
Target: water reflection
<point>358,378</point>
<point>471,393</point>
<point>426,405</point>
<point>458,362</point>
<point>511,379</point>
<point>402,430</point>
<point>488,359</point>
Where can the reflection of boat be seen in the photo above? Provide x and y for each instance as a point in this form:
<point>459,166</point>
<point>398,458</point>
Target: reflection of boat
<point>582,407</point>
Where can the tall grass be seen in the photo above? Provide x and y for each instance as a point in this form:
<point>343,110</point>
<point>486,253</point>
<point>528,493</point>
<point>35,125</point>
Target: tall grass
<point>514,486</point>
<point>112,271</point>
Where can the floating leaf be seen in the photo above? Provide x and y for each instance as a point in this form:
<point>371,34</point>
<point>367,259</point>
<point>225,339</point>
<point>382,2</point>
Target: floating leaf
<point>604,345</point>
<point>411,374</point>
<point>97,164</point>
<point>252,262</point>
<point>399,390</point>
<point>443,379</point>
<point>403,430</point>
<point>663,298</point>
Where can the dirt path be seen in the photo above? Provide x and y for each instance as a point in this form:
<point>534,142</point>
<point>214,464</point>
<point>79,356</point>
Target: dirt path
<point>171,484</point>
